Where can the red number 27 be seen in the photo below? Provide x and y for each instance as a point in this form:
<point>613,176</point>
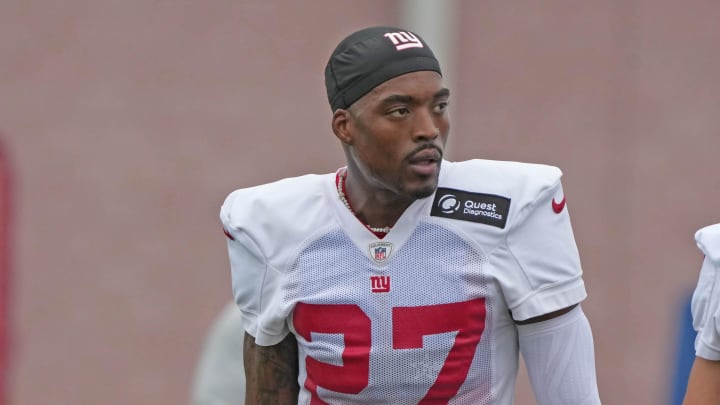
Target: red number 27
<point>410,324</point>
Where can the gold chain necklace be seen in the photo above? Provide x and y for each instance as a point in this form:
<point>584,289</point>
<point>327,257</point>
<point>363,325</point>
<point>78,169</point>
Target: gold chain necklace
<point>342,175</point>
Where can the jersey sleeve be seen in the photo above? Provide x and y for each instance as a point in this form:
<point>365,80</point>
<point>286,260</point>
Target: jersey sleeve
<point>254,282</point>
<point>541,243</point>
<point>705,304</point>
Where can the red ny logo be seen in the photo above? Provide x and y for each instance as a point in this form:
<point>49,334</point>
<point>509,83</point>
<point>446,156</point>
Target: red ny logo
<point>380,284</point>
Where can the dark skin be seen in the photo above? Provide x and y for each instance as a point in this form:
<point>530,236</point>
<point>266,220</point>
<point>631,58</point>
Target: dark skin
<point>271,372</point>
<point>394,139</point>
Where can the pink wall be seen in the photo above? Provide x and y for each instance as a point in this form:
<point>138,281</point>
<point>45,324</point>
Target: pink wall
<point>128,123</point>
<point>624,97</point>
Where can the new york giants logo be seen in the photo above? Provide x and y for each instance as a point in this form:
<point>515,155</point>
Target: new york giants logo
<point>380,284</point>
<point>404,40</point>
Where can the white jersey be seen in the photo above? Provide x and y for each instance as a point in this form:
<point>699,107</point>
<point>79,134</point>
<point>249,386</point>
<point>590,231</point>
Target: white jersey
<point>424,315</point>
<point>706,297</point>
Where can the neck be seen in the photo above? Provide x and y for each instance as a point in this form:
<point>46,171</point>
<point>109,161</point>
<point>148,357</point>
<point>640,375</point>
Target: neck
<point>377,208</point>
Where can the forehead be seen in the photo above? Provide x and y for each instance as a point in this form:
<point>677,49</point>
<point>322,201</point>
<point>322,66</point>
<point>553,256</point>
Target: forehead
<point>418,85</point>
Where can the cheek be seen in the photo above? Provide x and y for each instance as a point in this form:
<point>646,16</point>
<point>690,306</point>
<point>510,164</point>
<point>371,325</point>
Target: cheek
<point>384,145</point>
<point>444,126</point>
<point>443,123</point>
<point>379,154</point>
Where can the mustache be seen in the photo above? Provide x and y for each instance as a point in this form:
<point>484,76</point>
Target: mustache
<point>423,147</point>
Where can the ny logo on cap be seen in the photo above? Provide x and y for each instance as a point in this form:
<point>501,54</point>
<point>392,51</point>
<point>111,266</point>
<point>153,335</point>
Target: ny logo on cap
<point>404,40</point>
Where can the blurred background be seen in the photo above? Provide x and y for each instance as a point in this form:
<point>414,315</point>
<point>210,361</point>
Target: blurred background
<point>124,124</point>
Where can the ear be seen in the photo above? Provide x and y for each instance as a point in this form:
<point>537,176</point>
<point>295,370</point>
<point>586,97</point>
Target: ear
<point>341,125</point>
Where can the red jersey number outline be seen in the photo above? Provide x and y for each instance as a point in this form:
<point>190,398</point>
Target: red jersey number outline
<point>410,324</point>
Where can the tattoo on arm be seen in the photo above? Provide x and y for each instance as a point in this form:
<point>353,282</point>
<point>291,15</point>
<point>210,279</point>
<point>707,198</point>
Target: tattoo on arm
<point>271,372</point>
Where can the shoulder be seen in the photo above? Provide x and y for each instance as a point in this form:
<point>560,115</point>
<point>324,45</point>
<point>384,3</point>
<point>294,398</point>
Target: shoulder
<point>708,240</point>
<point>495,192</point>
<point>514,179</point>
<point>278,191</point>
<point>278,215</point>
<point>278,199</point>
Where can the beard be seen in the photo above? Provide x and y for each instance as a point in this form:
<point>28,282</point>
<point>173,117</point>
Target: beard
<point>423,192</point>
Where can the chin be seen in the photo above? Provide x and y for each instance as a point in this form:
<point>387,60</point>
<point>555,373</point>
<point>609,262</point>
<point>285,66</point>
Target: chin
<point>423,191</point>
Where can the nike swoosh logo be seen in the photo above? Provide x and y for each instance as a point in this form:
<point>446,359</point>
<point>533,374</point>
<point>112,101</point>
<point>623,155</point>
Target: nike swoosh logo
<point>229,235</point>
<point>558,206</point>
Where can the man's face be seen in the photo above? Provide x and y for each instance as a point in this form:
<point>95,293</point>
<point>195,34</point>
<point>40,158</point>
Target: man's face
<point>397,134</point>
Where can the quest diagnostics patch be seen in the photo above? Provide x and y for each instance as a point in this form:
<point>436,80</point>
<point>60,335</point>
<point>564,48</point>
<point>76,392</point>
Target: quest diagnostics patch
<point>486,209</point>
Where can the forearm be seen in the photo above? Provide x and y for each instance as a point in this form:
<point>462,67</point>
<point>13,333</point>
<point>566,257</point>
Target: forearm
<point>560,359</point>
<point>271,372</point>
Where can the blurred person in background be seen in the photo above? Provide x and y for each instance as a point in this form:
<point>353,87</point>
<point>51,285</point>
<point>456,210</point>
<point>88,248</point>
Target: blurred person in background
<point>393,281</point>
<point>219,375</point>
<point>704,382</point>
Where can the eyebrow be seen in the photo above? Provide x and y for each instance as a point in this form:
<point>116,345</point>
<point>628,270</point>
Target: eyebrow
<point>444,92</point>
<point>400,98</point>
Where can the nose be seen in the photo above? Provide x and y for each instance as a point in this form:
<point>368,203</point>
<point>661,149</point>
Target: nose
<point>424,128</point>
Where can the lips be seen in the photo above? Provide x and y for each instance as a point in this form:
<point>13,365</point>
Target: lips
<point>426,162</point>
<point>426,156</point>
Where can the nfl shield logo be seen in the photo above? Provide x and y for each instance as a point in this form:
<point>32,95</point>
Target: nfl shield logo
<point>380,251</point>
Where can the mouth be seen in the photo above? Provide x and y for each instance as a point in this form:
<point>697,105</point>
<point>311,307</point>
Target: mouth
<point>428,155</point>
<point>426,161</point>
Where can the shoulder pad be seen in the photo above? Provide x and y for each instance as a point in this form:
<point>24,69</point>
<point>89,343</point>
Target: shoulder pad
<point>276,216</point>
<point>521,182</point>
<point>708,240</point>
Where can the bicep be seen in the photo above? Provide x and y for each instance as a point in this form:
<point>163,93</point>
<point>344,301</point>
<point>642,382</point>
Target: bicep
<point>271,372</point>
<point>704,383</point>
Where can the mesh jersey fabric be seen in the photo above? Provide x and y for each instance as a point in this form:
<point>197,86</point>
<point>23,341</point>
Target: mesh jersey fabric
<point>705,304</point>
<point>430,319</point>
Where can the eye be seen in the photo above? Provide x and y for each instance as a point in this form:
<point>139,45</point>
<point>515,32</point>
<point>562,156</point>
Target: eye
<point>399,112</point>
<point>441,107</point>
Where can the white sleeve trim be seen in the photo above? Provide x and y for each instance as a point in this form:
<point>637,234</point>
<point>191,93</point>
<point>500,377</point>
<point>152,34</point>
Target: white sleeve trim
<point>706,351</point>
<point>550,299</point>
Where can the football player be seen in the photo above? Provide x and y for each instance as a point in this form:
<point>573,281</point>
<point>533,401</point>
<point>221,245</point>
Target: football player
<point>704,382</point>
<point>404,278</point>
